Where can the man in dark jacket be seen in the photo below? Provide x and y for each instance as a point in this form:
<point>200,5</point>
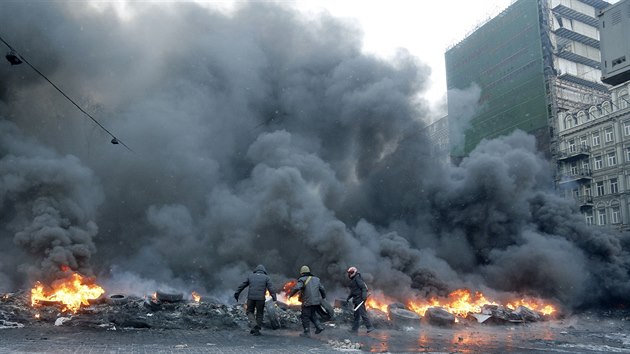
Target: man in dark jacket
<point>358,294</point>
<point>311,294</point>
<point>258,282</point>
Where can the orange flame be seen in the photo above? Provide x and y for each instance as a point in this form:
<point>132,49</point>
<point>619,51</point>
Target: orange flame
<point>532,304</point>
<point>459,302</point>
<point>196,297</point>
<point>284,295</point>
<point>378,302</point>
<point>71,293</point>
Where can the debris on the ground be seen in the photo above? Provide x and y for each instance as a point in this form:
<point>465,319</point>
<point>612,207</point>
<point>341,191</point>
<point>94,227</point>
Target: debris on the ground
<point>344,344</point>
<point>439,317</point>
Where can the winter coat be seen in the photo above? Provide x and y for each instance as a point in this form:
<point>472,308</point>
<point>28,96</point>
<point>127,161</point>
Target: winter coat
<point>258,282</point>
<point>358,289</point>
<point>311,290</point>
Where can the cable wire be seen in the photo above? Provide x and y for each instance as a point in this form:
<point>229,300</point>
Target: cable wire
<point>115,140</point>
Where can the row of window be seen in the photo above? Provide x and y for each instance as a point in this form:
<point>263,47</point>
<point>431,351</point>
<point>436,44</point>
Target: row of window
<point>600,188</point>
<point>609,137</point>
<point>598,162</point>
<point>570,120</point>
<point>614,216</point>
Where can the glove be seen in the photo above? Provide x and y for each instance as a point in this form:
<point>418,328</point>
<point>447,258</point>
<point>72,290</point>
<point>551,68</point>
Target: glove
<point>236,297</point>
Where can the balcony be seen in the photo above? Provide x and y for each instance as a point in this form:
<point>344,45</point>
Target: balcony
<point>576,176</point>
<point>574,153</point>
<point>585,202</point>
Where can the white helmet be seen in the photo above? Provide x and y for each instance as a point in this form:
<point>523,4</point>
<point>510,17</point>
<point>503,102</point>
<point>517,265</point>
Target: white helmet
<point>352,271</point>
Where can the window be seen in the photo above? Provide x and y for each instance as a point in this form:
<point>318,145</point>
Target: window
<point>608,134</point>
<point>600,188</point>
<point>612,158</point>
<point>606,107</point>
<point>614,186</point>
<point>576,193</point>
<point>587,190</point>
<point>589,217</point>
<point>623,100</point>
<point>598,162</point>
<point>571,144</point>
<point>583,141</point>
<point>615,215</point>
<point>628,154</point>
<point>596,139</point>
<point>574,168</point>
<point>585,166</point>
<point>626,127</point>
<point>601,216</point>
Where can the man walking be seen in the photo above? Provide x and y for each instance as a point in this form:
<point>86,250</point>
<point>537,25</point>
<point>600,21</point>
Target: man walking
<point>258,282</point>
<point>311,294</point>
<point>358,294</point>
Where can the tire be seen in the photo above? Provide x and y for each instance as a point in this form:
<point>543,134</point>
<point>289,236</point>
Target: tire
<point>117,299</point>
<point>404,318</point>
<point>273,314</point>
<point>169,297</point>
<point>327,311</point>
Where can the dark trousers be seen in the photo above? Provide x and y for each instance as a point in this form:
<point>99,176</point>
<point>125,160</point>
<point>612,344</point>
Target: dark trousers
<point>309,313</point>
<point>259,307</point>
<point>360,313</point>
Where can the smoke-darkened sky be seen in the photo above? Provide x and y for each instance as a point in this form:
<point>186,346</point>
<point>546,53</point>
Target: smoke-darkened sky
<point>262,136</point>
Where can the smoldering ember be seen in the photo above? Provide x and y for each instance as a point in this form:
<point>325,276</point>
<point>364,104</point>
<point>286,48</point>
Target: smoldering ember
<point>220,140</point>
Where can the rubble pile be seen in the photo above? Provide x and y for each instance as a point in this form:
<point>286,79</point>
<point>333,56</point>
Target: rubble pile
<point>173,312</point>
<point>119,311</point>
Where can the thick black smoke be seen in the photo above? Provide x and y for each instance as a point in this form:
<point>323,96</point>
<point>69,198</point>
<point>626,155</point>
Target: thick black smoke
<point>262,136</point>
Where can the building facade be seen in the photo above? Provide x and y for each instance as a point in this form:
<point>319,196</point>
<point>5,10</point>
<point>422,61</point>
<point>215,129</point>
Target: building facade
<point>438,134</point>
<point>535,60</point>
<point>594,159</point>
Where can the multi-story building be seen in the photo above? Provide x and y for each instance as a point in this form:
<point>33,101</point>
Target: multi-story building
<point>536,59</point>
<point>594,159</point>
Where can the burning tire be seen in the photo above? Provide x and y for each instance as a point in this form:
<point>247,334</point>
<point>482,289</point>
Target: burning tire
<point>404,318</point>
<point>117,299</point>
<point>326,311</point>
<point>273,314</point>
<point>168,297</point>
<point>439,317</point>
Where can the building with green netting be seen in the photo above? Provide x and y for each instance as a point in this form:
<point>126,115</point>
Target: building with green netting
<point>534,60</point>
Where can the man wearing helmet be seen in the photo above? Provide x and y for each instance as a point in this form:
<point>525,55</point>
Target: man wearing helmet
<point>311,294</point>
<point>358,294</point>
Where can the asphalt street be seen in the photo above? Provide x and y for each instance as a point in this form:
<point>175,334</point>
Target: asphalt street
<point>576,334</point>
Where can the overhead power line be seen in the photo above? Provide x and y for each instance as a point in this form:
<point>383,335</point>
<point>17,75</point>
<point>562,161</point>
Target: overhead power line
<point>15,58</point>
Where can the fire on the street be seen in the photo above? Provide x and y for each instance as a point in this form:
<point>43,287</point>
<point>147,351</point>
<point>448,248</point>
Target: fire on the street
<point>70,293</point>
<point>196,297</point>
<point>283,296</point>
<point>459,302</point>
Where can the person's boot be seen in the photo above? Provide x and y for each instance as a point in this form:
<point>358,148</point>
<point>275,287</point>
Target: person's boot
<point>370,329</point>
<point>319,330</point>
<point>256,331</point>
<point>306,334</point>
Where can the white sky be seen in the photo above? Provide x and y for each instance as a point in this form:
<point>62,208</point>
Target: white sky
<point>424,27</point>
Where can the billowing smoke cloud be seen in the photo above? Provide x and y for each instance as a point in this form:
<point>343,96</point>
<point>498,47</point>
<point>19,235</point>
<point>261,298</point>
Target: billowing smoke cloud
<point>262,136</point>
<point>49,203</point>
<point>464,104</point>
